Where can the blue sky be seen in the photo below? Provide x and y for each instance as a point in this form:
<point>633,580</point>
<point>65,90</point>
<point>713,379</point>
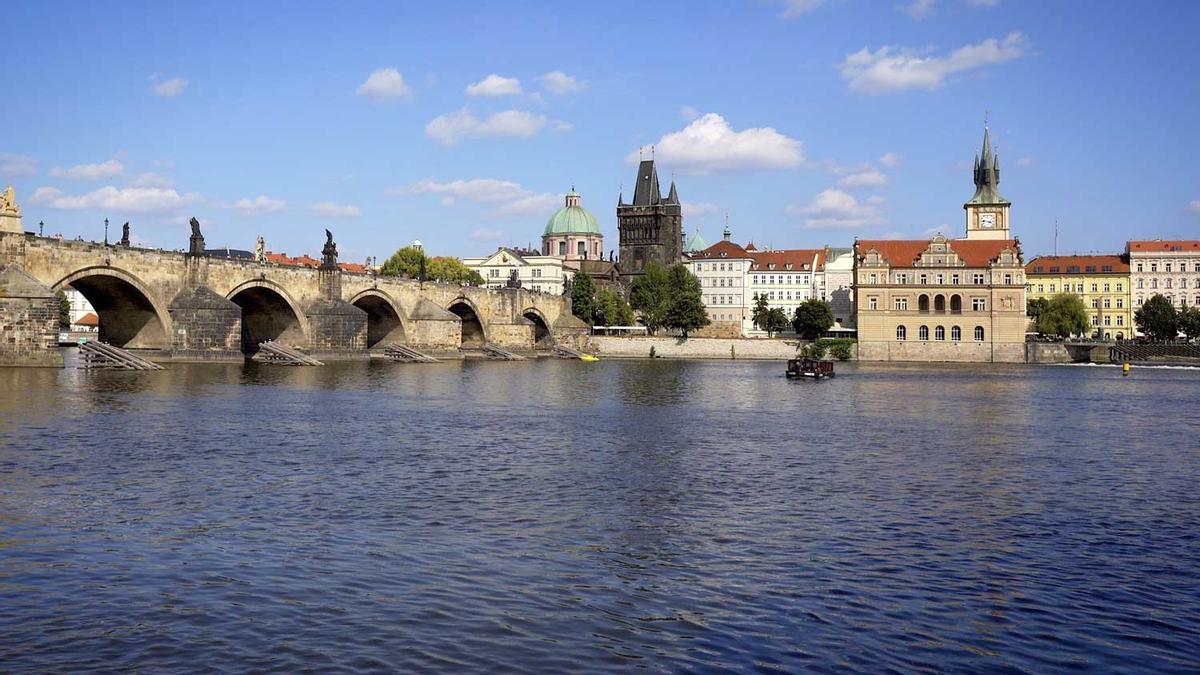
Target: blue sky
<point>809,122</point>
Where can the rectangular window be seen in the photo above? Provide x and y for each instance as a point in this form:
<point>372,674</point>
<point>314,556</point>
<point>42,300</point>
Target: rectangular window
<point>1095,303</point>
<point>1051,288</point>
<point>1120,303</point>
<point>924,279</point>
<point>978,305</point>
<point>872,277</point>
<point>1139,267</point>
<point>1095,287</point>
<point>954,279</point>
<point>1167,267</point>
<point>1106,288</point>
<point>1107,320</point>
<point>902,303</point>
<point>977,278</point>
<point>872,302</point>
<point>1120,287</point>
<point>1041,288</point>
<point>1008,279</point>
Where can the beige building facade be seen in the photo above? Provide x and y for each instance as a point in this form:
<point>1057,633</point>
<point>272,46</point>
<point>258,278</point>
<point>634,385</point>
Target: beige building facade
<point>945,299</point>
<point>1170,268</point>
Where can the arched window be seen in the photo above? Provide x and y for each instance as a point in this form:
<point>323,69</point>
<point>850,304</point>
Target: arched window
<point>955,333</point>
<point>939,334</point>
<point>923,303</point>
<point>923,333</point>
<point>979,333</point>
<point>901,333</point>
<point>955,304</point>
<point>939,303</point>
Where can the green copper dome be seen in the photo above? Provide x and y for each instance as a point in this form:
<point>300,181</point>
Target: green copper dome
<point>696,243</point>
<point>572,218</point>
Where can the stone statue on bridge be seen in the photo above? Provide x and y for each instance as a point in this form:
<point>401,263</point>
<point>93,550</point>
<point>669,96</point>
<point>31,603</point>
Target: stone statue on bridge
<point>329,253</point>
<point>124,235</point>
<point>8,203</point>
<point>196,242</point>
<point>514,281</point>
<point>260,250</point>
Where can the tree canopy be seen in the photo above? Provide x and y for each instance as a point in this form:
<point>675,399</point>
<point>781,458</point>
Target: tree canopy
<point>1035,306</point>
<point>612,310</point>
<point>1157,319</point>
<point>813,317</point>
<point>583,298</point>
<point>412,262</point>
<point>759,315</point>
<point>650,295</point>
<point>1189,322</point>
<point>1064,315</point>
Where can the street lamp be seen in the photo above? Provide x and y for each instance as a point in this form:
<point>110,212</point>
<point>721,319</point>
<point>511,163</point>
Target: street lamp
<point>106,231</point>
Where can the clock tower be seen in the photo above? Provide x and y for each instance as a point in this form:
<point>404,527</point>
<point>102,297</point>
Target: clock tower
<point>987,211</point>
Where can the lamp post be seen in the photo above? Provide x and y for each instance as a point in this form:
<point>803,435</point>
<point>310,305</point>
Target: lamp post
<point>106,231</point>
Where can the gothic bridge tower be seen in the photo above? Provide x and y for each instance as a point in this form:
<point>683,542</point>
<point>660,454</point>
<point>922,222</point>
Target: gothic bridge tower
<point>650,228</point>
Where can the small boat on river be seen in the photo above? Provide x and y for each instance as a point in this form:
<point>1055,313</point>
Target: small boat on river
<point>809,368</point>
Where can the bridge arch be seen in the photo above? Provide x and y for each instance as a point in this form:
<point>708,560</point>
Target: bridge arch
<point>542,337</point>
<point>268,313</point>
<point>130,314</point>
<point>386,322</point>
<point>474,334</point>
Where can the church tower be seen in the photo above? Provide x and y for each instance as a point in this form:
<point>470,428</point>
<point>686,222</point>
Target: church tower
<point>987,211</point>
<point>650,228</point>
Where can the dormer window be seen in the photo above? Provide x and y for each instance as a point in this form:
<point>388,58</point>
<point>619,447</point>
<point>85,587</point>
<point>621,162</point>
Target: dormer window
<point>788,266</point>
<point>723,254</point>
<point>771,266</point>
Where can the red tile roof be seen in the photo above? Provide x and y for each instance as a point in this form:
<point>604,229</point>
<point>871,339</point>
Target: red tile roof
<point>353,268</point>
<point>905,252</point>
<point>89,319</point>
<point>728,248</point>
<point>800,259</point>
<point>298,261</point>
<point>1117,264</point>
<point>1168,245</point>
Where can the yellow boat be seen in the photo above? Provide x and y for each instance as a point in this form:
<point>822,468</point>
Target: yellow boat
<point>588,357</point>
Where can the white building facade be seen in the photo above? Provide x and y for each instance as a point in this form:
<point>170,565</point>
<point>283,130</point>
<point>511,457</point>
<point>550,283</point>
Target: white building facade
<point>1167,268</point>
<point>722,271</point>
<point>536,272</point>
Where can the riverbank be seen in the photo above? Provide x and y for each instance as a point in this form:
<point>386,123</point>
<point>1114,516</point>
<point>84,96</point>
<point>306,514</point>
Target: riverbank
<point>695,348</point>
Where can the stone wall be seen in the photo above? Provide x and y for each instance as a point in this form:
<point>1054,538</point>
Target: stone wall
<point>693,348</point>
<point>950,352</point>
<point>29,332</point>
<point>720,329</point>
<point>336,326</point>
<point>205,324</point>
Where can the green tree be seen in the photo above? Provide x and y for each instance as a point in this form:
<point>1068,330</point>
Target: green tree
<point>758,316</point>
<point>685,309</point>
<point>612,310</point>
<point>409,262</point>
<point>1035,306</point>
<point>650,295</point>
<point>813,317</point>
<point>841,350</point>
<point>1157,319</point>
<point>776,321</point>
<point>1189,322</point>
<point>451,269</point>
<point>64,309</point>
<point>583,298</point>
<point>1064,315</point>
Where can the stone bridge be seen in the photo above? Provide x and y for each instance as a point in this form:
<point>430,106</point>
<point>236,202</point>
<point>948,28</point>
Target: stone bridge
<point>187,306</point>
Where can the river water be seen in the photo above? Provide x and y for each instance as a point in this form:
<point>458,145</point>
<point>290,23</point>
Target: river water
<point>563,516</point>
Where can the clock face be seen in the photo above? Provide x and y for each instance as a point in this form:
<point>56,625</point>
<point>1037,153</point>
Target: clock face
<point>987,220</point>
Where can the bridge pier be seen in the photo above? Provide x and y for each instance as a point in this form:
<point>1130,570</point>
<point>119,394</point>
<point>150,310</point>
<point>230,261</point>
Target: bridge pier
<point>205,326</point>
<point>28,320</point>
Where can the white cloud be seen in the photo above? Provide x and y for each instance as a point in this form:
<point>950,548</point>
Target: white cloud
<point>699,209</point>
<point>558,82</point>
<point>16,166</point>
<point>168,88</point>
<point>889,69</point>
<point>332,210</point>
<point>383,84</point>
<point>504,197</point>
<point>917,9</point>
<point>795,8</point>
<point>836,208</point>
<point>89,171</point>
<point>710,145</point>
<point>110,198</point>
<point>151,179</point>
<point>866,178</point>
<point>495,85</point>
<point>450,128</point>
<point>1024,161</point>
<point>891,160</point>
<point>688,113</point>
<point>484,234</point>
<point>1194,206</point>
<point>260,205</point>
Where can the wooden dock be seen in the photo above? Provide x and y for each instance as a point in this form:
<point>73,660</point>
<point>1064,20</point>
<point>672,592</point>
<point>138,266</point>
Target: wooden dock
<point>281,354</point>
<point>405,354</point>
<point>493,352</point>
<point>101,355</point>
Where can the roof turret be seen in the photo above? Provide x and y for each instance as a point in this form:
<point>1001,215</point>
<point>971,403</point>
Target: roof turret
<point>572,218</point>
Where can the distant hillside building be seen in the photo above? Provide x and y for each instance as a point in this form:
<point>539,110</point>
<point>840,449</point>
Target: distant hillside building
<point>945,299</point>
<point>651,227</point>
